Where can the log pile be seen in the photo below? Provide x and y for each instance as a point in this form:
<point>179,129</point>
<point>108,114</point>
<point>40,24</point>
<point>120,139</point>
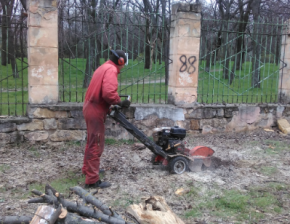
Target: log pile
<point>90,210</point>
<point>62,211</point>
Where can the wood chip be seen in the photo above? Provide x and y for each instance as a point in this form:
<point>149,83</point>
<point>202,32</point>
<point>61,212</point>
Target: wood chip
<point>179,192</point>
<point>266,129</point>
<point>63,213</point>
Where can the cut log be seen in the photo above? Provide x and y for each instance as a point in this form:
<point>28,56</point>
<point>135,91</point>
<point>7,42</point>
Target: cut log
<point>153,210</point>
<point>15,219</point>
<point>48,187</point>
<point>88,198</point>
<point>63,213</point>
<point>36,192</point>
<point>55,215</point>
<point>45,215</point>
<point>55,199</point>
<point>36,200</point>
<point>72,218</point>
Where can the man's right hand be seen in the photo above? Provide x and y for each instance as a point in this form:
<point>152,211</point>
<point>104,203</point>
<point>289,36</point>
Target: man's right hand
<point>125,103</point>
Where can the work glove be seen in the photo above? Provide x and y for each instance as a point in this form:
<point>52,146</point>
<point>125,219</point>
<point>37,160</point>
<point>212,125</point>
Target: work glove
<point>125,103</point>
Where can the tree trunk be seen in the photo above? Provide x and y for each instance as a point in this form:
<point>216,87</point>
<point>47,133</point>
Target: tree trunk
<point>167,37</point>
<point>8,52</point>
<point>4,48</point>
<point>244,18</point>
<point>147,46</point>
<point>278,45</point>
<point>208,54</point>
<point>89,64</point>
<point>166,57</point>
<point>11,52</point>
<point>239,46</point>
<point>256,45</point>
<point>226,50</point>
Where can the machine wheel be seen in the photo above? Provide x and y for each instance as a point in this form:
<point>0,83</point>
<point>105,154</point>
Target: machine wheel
<point>178,165</point>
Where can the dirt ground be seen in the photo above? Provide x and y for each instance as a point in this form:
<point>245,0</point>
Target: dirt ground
<point>251,169</point>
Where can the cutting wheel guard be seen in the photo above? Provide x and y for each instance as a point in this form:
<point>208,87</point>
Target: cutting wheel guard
<point>118,116</point>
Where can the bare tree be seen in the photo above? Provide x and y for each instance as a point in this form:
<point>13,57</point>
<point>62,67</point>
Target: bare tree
<point>256,4</point>
<point>244,8</point>
<point>8,37</point>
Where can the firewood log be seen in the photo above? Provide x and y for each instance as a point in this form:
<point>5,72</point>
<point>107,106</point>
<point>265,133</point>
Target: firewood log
<point>73,218</point>
<point>88,198</point>
<point>15,219</point>
<point>46,215</point>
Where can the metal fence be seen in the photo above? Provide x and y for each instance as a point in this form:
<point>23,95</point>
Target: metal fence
<point>85,39</point>
<point>13,65</point>
<point>240,62</point>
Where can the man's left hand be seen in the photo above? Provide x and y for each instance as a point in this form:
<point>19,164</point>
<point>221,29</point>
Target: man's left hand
<point>125,103</point>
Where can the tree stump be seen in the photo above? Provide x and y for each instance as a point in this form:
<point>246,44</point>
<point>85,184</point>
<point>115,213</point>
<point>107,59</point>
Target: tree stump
<point>153,210</point>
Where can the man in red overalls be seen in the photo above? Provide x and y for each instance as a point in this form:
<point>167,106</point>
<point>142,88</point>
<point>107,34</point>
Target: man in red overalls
<point>101,94</point>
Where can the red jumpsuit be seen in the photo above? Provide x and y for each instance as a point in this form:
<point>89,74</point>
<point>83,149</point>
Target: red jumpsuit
<point>101,94</point>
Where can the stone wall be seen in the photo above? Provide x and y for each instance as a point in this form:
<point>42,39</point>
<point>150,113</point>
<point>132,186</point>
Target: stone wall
<point>65,122</point>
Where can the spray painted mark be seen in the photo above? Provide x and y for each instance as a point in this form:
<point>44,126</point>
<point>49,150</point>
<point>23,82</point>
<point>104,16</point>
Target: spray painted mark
<point>184,67</point>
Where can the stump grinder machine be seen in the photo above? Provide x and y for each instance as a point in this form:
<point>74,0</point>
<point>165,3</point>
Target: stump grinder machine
<point>168,145</point>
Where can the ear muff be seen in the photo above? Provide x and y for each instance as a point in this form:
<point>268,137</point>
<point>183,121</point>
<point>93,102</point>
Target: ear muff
<point>121,60</point>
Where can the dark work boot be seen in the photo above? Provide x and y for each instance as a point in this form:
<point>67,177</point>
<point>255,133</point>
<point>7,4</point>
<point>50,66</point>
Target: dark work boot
<point>98,184</point>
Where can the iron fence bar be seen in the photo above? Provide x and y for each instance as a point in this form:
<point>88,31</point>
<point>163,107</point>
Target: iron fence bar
<point>132,55</point>
<point>161,56</point>
<point>259,62</point>
<point>269,61</point>
<point>144,47</point>
<point>276,41</point>
<point>241,59</point>
<point>139,31</point>
<point>199,88</point>
<point>282,70</point>
<point>7,49</point>
<point>22,81</point>
<point>226,54</point>
<point>208,80</point>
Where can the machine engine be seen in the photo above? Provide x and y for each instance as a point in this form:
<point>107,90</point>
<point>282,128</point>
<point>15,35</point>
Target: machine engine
<point>170,138</point>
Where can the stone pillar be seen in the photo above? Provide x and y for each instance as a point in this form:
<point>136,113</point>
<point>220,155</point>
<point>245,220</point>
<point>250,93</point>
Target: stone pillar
<point>184,53</point>
<point>284,82</point>
<point>42,41</point>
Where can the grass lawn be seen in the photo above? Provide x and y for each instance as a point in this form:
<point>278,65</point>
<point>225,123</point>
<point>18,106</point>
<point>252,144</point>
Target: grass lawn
<point>144,85</point>
<point>214,88</point>
<point>140,93</point>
